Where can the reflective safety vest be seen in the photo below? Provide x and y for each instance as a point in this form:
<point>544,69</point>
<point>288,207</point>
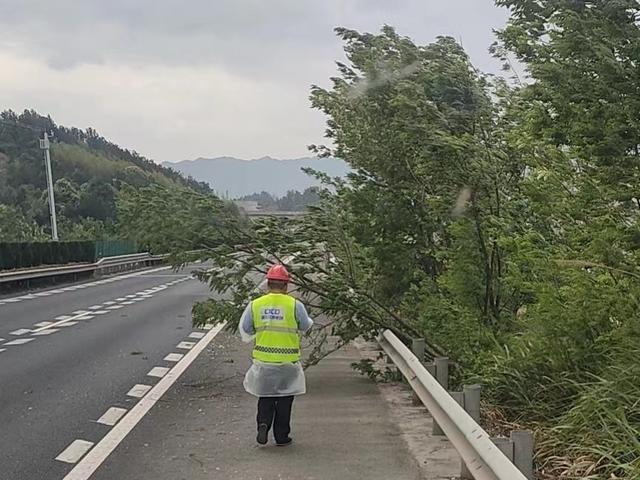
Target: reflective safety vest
<point>274,320</point>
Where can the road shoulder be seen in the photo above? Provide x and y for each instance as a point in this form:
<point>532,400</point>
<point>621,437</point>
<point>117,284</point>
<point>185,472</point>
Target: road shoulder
<point>204,428</point>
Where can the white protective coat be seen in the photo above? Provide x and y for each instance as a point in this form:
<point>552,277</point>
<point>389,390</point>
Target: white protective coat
<point>273,379</point>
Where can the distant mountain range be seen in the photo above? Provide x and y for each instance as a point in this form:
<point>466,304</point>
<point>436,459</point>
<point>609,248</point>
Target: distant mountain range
<point>235,178</point>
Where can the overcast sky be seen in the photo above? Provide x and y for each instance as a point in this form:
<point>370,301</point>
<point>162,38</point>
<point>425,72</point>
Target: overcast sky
<point>177,80</point>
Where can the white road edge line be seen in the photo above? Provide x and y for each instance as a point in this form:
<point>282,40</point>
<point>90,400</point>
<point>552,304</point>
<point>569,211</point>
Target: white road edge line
<point>98,454</point>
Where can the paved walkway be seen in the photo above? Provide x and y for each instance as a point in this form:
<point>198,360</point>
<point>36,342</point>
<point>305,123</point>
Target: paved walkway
<point>204,428</point>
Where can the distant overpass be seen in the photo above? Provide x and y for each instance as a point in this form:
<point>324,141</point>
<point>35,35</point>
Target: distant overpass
<point>266,214</point>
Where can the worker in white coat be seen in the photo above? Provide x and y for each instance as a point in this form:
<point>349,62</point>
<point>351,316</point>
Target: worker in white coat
<point>275,321</point>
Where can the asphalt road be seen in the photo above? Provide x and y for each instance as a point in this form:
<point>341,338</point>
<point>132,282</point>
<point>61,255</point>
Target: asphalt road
<point>62,369</point>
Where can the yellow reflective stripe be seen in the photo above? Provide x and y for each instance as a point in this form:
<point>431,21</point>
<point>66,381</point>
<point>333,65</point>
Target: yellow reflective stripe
<point>269,328</point>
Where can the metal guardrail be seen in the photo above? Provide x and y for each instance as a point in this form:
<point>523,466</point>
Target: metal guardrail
<point>483,458</point>
<point>101,265</point>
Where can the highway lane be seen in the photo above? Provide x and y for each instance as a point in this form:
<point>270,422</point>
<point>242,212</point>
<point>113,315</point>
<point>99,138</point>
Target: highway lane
<point>57,379</point>
<point>18,309</point>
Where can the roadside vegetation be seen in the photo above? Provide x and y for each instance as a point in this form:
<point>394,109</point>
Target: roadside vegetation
<point>496,218</point>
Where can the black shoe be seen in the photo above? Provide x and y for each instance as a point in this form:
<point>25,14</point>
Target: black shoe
<point>263,429</point>
<point>285,442</point>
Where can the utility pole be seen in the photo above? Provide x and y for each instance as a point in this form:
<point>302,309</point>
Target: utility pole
<point>44,145</point>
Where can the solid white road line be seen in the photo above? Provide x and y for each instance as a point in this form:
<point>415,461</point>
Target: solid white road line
<point>112,416</point>
<point>67,324</point>
<point>173,357</point>
<point>138,390</point>
<point>79,314</point>
<point>2,350</point>
<point>63,317</point>
<point>158,372</point>
<point>90,463</point>
<point>44,324</point>
<point>75,451</point>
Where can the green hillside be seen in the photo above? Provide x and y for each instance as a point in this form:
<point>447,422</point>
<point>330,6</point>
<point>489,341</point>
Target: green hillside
<point>88,171</point>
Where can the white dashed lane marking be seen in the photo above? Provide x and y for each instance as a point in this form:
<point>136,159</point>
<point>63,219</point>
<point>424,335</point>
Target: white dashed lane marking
<point>72,288</point>
<point>47,332</point>
<point>19,341</point>
<point>197,335</point>
<point>158,372</point>
<point>114,307</point>
<point>112,416</point>
<point>173,357</point>
<point>75,451</point>
<point>21,331</point>
<point>186,345</point>
<point>138,390</point>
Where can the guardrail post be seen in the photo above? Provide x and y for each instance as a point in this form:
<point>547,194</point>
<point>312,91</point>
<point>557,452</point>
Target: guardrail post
<point>458,397</point>
<point>523,451</point>
<point>418,346</point>
<point>472,401</point>
<point>442,376</point>
<point>442,371</point>
<point>431,368</point>
<point>505,445</point>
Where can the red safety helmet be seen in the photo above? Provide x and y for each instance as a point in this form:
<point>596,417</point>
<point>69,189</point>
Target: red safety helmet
<point>278,272</point>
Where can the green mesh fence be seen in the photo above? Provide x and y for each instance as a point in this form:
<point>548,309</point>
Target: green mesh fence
<point>32,254</point>
<point>112,248</point>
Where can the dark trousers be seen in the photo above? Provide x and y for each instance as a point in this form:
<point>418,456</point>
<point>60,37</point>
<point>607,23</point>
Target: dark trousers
<point>276,411</point>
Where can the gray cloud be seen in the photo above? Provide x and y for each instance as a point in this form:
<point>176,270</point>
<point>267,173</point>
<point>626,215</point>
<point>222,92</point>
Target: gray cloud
<point>234,74</point>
